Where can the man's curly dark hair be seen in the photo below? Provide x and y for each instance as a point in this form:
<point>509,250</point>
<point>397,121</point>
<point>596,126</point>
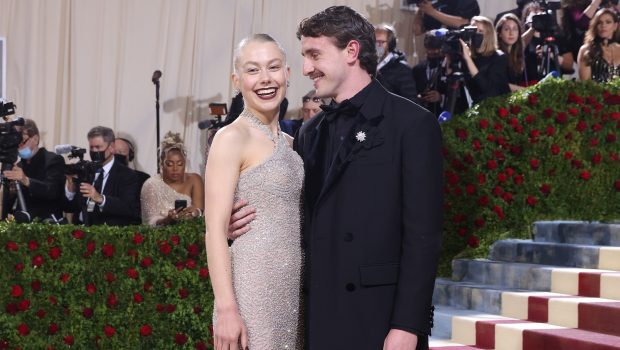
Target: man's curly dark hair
<point>343,24</point>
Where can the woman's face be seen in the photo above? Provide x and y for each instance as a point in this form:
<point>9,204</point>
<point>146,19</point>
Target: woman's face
<point>606,27</point>
<point>173,168</point>
<point>261,77</point>
<point>509,32</point>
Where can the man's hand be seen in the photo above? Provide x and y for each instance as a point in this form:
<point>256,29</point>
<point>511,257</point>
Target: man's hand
<point>400,340</point>
<point>240,219</point>
<point>431,96</point>
<point>17,174</point>
<point>88,191</point>
<point>425,6</point>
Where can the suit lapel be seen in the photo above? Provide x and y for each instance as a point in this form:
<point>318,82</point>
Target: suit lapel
<point>313,150</point>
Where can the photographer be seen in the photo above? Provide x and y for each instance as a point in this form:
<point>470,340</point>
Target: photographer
<point>444,13</point>
<point>113,198</point>
<point>41,174</point>
<point>427,74</point>
<point>487,66</point>
<point>393,72</point>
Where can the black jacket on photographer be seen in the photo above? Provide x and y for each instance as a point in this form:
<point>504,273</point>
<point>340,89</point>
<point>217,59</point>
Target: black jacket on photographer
<point>44,195</point>
<point>396,77</point>
<point>461,8</point>
<point>492,77</point>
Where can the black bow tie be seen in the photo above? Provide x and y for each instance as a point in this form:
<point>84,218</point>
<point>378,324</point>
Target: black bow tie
<point>345,109</point>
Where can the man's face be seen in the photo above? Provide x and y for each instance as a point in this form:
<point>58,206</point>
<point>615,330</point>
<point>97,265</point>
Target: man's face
<point>381,37</point>
<point>121,147</point>
<point>97,144</point>
<point>326,65</point>
<point>311,106</point>
<point>29,141</point>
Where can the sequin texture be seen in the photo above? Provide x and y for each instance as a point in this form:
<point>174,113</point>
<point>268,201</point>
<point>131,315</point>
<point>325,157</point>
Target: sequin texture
<point>267,261</point>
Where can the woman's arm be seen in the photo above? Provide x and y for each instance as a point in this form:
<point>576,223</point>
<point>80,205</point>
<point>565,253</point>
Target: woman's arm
<point>585,71</point>
<point>473,70</point>
<point>222,174</point>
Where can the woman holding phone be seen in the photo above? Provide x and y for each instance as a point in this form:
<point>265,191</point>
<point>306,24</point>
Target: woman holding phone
<point>174,195</point>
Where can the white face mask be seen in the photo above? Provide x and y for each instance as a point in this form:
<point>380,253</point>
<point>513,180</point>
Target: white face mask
<point>380,52</point>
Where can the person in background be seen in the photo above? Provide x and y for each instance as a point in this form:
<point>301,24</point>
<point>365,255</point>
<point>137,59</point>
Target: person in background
<point>160,192</point>
<point>41,174</point>
<point>311,105</point>
<point>444,13</point>
<point>518,11</point>
<point>599,57</point>
<point>509,31</point>
<point>393,72</point>
<point>125,153</point>
<point>428,73</point>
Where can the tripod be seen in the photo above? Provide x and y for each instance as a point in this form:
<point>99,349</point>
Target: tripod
<point>22,215</point>
<point>549,56</point>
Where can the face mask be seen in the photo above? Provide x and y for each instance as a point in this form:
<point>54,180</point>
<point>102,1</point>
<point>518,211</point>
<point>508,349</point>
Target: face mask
<point>122,158</point>
<point>380,52</point>
<point>97,156</point>
<point>433,62</point>
<point>25,153</point>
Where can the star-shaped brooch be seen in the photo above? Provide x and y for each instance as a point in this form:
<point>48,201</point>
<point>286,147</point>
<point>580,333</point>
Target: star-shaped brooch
<point>360,136</point>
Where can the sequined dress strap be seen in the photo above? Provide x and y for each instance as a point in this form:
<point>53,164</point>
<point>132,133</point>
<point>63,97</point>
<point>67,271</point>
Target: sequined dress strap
<point>261,126</point>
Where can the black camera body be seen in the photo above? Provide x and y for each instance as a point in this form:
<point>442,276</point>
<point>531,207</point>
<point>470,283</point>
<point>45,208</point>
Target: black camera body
<point>83,169</point>
<point>451,44</point>
<point>10,137</point>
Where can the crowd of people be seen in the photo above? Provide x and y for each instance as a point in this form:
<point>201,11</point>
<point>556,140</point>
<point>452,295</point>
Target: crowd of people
<point>42,187</point>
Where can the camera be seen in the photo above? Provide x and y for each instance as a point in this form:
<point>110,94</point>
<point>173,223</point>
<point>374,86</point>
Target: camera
<point>469,34</point>
<point>607,3</point>
<point>10,137</point>
<point>83,170</point>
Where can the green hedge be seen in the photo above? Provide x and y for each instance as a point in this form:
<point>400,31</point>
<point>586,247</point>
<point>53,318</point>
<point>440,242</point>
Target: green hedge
<point>104,287</point>
<point>549,152</point>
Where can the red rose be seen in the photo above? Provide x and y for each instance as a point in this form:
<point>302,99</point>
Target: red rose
<point>35,285</point>
<point>576,163</point>
<point>33,245</point>
<point>617,185</point>
<point>470,189</point>
<point>23,329</point>
<point>203,272</point>
<point>534,163</point>
<point>190,264</point>
<point>17,291</point>
<point>52,300</point>
<point>137,238</point>
<point>476,145</point>
<point>516,150</point>
<point>483,201</point>
<point>581,126</point>
<point>170,308</point>
<point>614,115</point>
<point>110,277</point>
<point>497,191</point>
<point>498,127</point>
<point>194,249</point>
<point>40,313</point>
<point>87,312</point>
<point>613,156</point>
<point>109,331</point>
<point>78,234</point>
<point>549,131</point>
<point>596,127</point>
<point>53,328</point>
<point>502,112</point>
<point>561,118</point>
<point>112,300</point>
<point>596,159</point>
<point>568,155</point>
<point>23,305</point>
<point>548,112</point>
<point>585,175</point>
<point>55,253</point>
<point>132,252</point>
<point>64,278</point>
<point>491,164</point>
<point>468,158</point>
<point>462,231</point>
<point>498,210</point>
<point>108,250</point>
<point>501,177</point>
<point>531,201</point>
<point>165,248</point>
<point>534,134</point>
<point>146,330</point>
<point>19,267</point>
<point>147,287</point>
<point>530,119</point>
<point>132,273</point>
<point>479,222</point>
<point>491,138</point>
<point>91,288</point>
<point>507,197</point>
<point>473,241</point>
<point>532,99</point>
<point>183,293</point>
<point>574,98</point>
<point>137,298</point>
<point>180,265</point>
<point>160,308</point>
<point>573,111</point>
<point>545,188</point>
<point>175,239</point>
<point>11,309</point>
<point>68,340</point>
<point>180,338</point>
<point>610,138</point>
<point>461,134</point>
<point>515,109</point>
<point>593,142</point>
<point>483,123</point>
<point>518,129</point>
<point>482,179</point>
<point>37,261</point>
<point>146,262</point>
<point>11,246</point>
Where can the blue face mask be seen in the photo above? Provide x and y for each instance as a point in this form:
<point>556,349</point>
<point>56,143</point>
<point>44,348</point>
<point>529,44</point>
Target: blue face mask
<point>25,153</point>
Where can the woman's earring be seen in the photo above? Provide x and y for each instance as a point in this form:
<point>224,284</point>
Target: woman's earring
<point>288,83</point>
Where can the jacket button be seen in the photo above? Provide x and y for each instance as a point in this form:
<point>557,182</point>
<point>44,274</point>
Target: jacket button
<point>348,237</point>
<point>350,287</point>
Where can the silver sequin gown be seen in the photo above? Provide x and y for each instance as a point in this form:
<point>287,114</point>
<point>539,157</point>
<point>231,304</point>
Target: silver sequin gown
<point>267,261</point>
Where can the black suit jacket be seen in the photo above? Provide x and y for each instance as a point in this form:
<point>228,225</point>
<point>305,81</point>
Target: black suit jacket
<point>372,230</point>
<point>45,194</point>
<point>122,199</point>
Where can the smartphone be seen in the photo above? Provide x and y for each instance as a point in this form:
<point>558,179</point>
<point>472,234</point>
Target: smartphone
<point>180,204</point>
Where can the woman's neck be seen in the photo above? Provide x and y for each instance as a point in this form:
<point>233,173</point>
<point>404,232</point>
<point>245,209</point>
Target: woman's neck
<point>269,118</point>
